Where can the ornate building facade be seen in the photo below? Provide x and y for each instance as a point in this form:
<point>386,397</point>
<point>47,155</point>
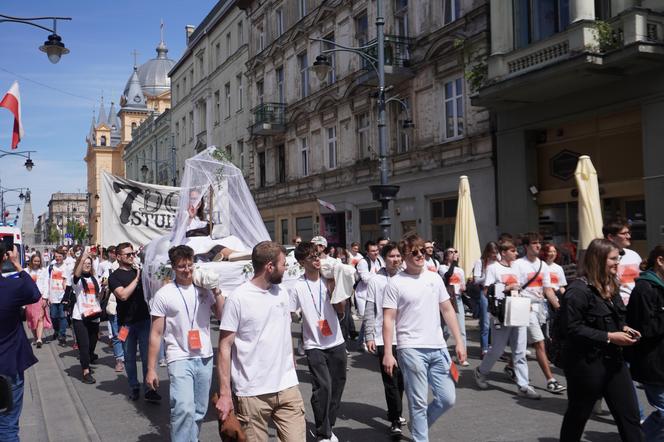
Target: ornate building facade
<point>316,139</point>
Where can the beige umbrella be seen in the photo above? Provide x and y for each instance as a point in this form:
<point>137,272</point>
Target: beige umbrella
<point>466,240</point>
<point>590,207</point>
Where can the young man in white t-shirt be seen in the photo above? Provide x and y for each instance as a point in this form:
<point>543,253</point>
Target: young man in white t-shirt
<point>413,301</point>
<point>430,262</point>
<point>366,269</point>
<point>59,278</point>
<point>181,316</point>
<point>256,352</point>
<point>533,271</point>
<point>373,326</point>
<point>618,232</point>
<point>504,277</point>
<point>323,341</point>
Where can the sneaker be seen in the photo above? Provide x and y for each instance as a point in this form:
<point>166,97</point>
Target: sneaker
<point>119,366</point>
<point>39,344</point>
<point>528,393</point>
<point>402,420</point>
<point>88,379</point>
<point>509,371</point>
<point>63,340</point>
<point>135,394</point>
<point>555,387</point>
<point>395,429</point>
<point>152,396</point>
<point>465,363</point>
<point>333,438</point>
<point>163,363</point>
<point>480,379</point>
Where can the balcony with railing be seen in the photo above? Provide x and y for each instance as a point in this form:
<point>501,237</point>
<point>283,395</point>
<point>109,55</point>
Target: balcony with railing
<point>269,119</point>
<point>586,54</point>
<point>398,51</point>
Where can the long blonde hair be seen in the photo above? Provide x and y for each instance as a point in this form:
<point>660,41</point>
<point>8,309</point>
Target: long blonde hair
<point>594,268</point>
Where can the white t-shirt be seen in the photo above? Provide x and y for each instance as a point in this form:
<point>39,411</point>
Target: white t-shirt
<point>628,271</point>
<point>103,269</point>
<point>375,294</point>
<point>417,300</point>
<point>40,277</point>
<point>262,354</point>
<point>58,280</point>
<point>355,259</point>
<point>457,279</point>
<point>557,275</point>
<point>87,301</point>
<point>431,265</point>
<point>500,275</point>
<point>365,272</point>
<point>526,269</point>
<point>314,300</point>
<point>479,274</point>
<point>186,309</point>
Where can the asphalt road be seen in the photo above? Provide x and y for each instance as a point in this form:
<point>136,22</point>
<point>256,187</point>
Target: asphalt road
<point>106,414</point>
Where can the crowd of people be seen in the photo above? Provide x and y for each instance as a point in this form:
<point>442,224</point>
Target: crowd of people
<point>604,329</point>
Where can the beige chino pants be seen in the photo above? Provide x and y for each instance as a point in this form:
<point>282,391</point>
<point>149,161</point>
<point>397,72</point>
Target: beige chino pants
<point>286,408</point>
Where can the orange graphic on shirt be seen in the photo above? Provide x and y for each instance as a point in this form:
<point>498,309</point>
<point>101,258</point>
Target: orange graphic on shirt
<point>509,279</point>
<point>628,273</point>
<point>537,282</point>
<point>90,288</point>
<point>354,261</point>
<point>455,279</point>
<point>555,279</point>
<point>431,268</point>
<point>34,277</point>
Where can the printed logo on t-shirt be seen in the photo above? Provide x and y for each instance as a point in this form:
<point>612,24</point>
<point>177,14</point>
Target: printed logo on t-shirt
<point>509,279</point>
<point>537,282</point>
<point>555,280</point>
<point>90,288</point>
<point>34,277</point>
<point>628,273</point>
<point>431,268</point>
<point>455,279</point>
<point>57,281</point>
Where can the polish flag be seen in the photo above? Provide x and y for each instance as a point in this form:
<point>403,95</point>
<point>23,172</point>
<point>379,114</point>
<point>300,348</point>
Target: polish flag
<point>12,101</point>
<point>327,205</point>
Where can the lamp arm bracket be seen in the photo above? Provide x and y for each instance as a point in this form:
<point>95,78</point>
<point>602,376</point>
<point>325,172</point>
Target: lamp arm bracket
<point>403,104</point>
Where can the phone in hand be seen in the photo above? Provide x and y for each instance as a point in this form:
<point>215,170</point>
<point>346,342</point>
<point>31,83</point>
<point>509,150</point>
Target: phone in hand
<point>633,334</point>
<point>9,242</point>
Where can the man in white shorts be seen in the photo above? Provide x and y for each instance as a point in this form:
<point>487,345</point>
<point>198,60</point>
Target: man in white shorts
<point>256,354</point>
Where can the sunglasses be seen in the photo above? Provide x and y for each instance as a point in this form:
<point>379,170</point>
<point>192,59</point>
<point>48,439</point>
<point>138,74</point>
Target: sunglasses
<point>129,254</point>
<point>313,257</point>
<point>417,252</point>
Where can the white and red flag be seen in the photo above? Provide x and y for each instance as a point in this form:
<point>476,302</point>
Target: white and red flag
<point>327,205</point>
<point>12,101</point>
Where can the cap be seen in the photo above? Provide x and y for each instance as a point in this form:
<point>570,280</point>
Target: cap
<point>319,241</point>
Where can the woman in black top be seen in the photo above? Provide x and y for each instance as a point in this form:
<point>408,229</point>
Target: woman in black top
<point>593,324</point>
<point>645,312</point>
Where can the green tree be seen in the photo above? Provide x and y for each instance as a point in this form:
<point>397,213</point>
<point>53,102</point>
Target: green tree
<point>78,231</point>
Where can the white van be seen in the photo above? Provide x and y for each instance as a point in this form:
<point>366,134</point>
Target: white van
<point>7,267</point>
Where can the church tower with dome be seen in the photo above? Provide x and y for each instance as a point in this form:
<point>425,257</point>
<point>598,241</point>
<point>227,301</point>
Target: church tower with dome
<point>146,93</point>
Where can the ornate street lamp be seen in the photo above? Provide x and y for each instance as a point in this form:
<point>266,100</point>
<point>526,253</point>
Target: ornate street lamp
<point>53,47</point>
<point>29,164</point>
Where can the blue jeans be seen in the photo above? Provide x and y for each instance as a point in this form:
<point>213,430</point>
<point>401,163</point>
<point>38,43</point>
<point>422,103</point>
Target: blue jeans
<point>118,351</point>
<point>485,322</point>
<point>461,321</point>
<point>418,366</point>
<point>59,320</point>
<point>189,394</point>
<point>9,420</point>
<point>139,335</point>
<point>653,426</point>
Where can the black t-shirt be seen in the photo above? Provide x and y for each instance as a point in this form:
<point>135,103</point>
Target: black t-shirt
<point>134,309</point>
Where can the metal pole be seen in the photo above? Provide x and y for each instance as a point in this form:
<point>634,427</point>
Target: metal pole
<point>173,166</point>
<point>385,221</point>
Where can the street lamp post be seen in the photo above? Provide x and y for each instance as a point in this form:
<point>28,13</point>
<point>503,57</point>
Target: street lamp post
<point>29,164</point>
<point>144,168</point>
<point>383,192</point>
<point>53,47</point>
<point>4,190</point>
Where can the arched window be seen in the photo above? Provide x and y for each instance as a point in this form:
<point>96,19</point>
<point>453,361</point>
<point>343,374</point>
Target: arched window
<point>103,140</point>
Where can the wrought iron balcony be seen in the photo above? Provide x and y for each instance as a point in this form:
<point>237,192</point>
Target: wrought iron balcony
<point>397,61</point>
<point>269,119</point>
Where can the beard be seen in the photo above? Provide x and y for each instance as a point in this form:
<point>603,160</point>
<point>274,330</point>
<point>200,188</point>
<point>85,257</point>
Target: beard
<point>276,278</point>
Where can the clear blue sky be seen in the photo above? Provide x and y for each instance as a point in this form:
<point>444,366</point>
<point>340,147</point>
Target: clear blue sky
<point>101,37</point>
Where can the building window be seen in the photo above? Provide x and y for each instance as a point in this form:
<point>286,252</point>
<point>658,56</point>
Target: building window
<point>184,130</point>
<point>227,99</point>
<point>443,218</point>
<point>535,20</point>
<point>362,34</point>
<point>228,45</point>
<point>369,224</point>
<point>304,156</point>
<point>191,125</point>
<point>281,163</point>
<point>302,8</point>
<point>304,228</point>
<point>279,74</point>
<point>269,225</point>
<point>201,66</point>
<point>259,92</point>
<point>603,9</point>
<point>284,231</point>
<point>279,21</point>
<point>454,108</point>
<point>403,135</point>
<point>217,107</point>
<point>240,149</point>
<point>331,147</point>
<point>261,38</point>
<point>332,76</point>
<point>401,17</point>
<point>363,124</point>
<point>177,133</point>
<point>177,93</point>
<point>103,137</point>
<point>240,92</point>
<point>451,10</point>
<point>217,53</point>
<point>240,33</point>
<point>303,63</point>
<point>261,169</point>
<point>184,84</point>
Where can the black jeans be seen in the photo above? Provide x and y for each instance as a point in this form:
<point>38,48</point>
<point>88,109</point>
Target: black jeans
<point>608,379</point>
<point>393,386</point>
<point>87,333</point>
<point>328,372</point>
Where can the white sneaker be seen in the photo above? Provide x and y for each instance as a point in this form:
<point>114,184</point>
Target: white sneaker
<point>333,438</point>
<point>480,379</point>
<point>528,393</point>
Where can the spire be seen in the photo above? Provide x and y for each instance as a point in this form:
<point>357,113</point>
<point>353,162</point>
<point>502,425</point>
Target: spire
<point>162,50</point>
<point>102,118</point>
<point>111,116</point>
<point>134,97</point>
<point>91,134</point>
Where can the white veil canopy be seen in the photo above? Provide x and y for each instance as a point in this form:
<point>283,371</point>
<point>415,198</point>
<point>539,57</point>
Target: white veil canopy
<point>227,204</point>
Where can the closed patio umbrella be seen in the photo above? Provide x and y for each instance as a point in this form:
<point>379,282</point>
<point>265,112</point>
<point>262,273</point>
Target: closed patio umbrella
<point>466,240</point>
<point>590,207</point>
